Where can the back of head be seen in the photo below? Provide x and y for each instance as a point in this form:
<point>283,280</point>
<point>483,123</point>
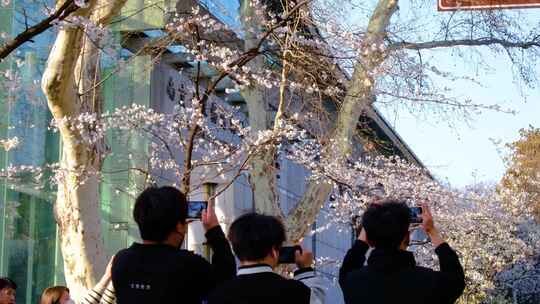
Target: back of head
<point>7,283</point>
<point>52,295</point>
<point>157,211</point>
<point>253,236</point>
<point>386,223</point>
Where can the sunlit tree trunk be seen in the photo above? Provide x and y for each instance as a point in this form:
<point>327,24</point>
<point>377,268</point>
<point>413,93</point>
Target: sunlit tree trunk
<point>359,97</point>
<point>68,83</point>
<point>262,174</point>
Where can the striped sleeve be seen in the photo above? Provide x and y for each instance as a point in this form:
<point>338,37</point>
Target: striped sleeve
<point>101,294</point>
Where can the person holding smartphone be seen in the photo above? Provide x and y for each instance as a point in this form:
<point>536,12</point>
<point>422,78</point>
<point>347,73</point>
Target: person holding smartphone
<point>257,241</point>
<point>157,270</point>
<point>391,274</point>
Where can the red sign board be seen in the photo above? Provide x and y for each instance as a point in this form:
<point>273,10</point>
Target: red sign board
<point>454,5</point>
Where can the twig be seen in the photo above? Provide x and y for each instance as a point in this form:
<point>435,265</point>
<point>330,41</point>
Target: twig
<point>63,12</point>
<point>463,42</point>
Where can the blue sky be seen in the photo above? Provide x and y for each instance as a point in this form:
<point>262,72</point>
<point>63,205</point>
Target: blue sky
<point>464,153</point>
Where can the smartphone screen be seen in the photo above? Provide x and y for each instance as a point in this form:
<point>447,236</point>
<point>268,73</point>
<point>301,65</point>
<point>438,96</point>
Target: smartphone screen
<point>287,254</point>
<point>416,215</point>
<point>195,209</point>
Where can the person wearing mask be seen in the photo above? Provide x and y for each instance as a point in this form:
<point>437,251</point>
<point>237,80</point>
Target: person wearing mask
<point>56,295</point>
<point>157,270</point>
<point>256,240</point>
<point>8,290</point>
<point>391,274</point>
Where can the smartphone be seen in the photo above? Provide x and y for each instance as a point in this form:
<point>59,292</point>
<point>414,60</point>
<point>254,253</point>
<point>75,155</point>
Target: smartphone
<point>287,254</point>
<point>195,209</point>
<point>415,215</point>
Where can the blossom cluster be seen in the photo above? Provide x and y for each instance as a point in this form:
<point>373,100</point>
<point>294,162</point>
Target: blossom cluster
<point>9,143</point>
<point>494,246</point>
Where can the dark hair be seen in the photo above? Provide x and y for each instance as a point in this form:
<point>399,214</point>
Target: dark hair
<point>52,295</point>
<point>157,211</point>
<point>386,223</point>
<point>7,283</point>
<point>253,236</point>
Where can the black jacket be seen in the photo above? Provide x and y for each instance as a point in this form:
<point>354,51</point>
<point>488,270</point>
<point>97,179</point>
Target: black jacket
<point>393,277</point>
<point>259,285</point>
<point>164,274</point>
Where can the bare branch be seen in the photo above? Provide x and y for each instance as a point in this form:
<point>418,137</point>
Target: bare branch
<point>464,42</point>
<point>60,14</point>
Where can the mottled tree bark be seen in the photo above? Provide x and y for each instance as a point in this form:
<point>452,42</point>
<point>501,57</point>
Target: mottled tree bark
<point>262,174</point>
<point>68,83</point>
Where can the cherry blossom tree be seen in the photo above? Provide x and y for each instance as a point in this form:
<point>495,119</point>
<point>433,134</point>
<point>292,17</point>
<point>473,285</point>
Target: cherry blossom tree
<point>498,250</point>
<point>308,80</point>
<point>349,67</point>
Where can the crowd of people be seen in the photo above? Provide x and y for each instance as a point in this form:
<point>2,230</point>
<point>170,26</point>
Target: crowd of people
<point>377,269</point>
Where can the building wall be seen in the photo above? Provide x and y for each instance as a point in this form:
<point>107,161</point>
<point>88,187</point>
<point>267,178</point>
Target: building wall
<point>28,251</point>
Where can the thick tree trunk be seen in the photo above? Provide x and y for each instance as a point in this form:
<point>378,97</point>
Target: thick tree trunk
<point>79,220</point>
<point>262,177</point>
<point>77,205</point>
<point>359,97</point>
<point>67,82</point>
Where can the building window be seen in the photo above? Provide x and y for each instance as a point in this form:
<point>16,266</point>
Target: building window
<point>171,92</point>
<point>182,95</point>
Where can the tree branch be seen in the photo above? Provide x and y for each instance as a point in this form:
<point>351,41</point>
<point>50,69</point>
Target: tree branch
<point>463,42</point>
<point>60,14</point>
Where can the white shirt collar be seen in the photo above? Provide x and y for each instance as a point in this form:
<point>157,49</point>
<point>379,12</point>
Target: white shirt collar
<point>254,269</point>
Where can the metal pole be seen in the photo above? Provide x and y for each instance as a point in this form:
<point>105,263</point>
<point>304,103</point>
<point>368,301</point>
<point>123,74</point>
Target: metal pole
<point>196,240</point>
<point>208,190</point>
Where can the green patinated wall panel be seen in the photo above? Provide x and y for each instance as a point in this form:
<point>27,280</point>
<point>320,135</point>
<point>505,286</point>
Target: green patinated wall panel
<point>27,229</point>
<point>30,239</point>
<point>131,85</point>
<point>140,15</point>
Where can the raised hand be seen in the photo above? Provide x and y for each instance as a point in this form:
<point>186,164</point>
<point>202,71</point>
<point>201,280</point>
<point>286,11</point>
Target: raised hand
<point>304,259</point>
<point>209,217</point>
<point>428,225</point>
<point>107,276</point>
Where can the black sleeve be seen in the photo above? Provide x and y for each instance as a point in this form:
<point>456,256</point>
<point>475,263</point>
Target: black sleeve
<point>354,259</point>
<point>223,262</point>
<point>451,274</point>
<point>216,297</point>
<point>299,293</point>
<point>202,280</point>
